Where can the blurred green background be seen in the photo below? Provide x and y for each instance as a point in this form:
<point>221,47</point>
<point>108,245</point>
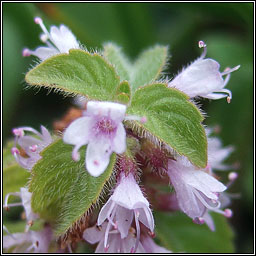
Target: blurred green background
<point>227,28</point>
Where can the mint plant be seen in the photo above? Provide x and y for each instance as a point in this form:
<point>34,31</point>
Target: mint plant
<point>137,147</point>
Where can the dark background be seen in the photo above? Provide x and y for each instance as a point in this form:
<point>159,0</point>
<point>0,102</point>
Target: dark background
<point>227,28</point>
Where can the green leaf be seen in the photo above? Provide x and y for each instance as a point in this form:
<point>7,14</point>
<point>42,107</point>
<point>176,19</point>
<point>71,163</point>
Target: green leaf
<point>63,190</point>
<point>124,87</point>
<point>178,233</point>
<point>149,66</point>
<point>146,69</point>
<point>123,93</point>
<point>172,120</point>
<point>115,56</point>
<point>78,72</point>
<point>14,177</point>
<point>122,98</point>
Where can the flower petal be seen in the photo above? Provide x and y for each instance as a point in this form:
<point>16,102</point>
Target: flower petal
<point>43,52</point>
<point>26,201</point>
<point>97,156</point>
<point>78,131</point>
<point>15,239</point>
<point>209,221</point>
<point>63,38</point>
<point>124,219</point>
<point>146,217</point>
<point>94,234</point>
<point>47,138</point>
<point>187,201</point>
<point>128,194</point>
<point>105,211</point>
<point>115,111</point>
<point>204,183</point>
<point>119,141</point>
<point>200,78</point>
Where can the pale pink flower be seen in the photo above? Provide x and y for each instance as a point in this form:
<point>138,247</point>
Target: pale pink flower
<point>102,129</point>
<point>217,154</point>
<point>29,242</point>
<point>116,244</point>
<point>203,78</point>
<point>30,144</point>
<point>58,40</point>
<point>196,190</point>
<point>125,205</point>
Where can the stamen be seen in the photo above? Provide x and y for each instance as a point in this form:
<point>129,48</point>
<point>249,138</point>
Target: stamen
<point>111,216</point>
<point>18,132</point>
<point>151,234</point>
<point>115,225</point>
<point>30,223</point>
<point>39,21</point>
<point>8,232</point>
<point>15,151</point>
<point>201,44</point>
<point>142,119</point>
<point>215,209</point>
<point>229,97</point>
<point>230,70</point>
<point>6,206</point>
<point>132,250</point>
<point>228,213</point>
<point>233,176</point>
<point>99,227</point>
<point>137,214</point>
<point>28,129</point>
<point>106,248</point>
<point>43,38</point>
<point>226,80</point>
<point>110,219</point>
<point>26,52</point>
<point>33,148</point>
<point>217,194</point>
<point>199,220</point>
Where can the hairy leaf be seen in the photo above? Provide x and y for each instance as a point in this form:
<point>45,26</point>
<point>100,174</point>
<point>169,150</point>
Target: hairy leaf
<point>63,190</point>
<point>149,65</point>
<point>115,56</point>
<point>146,69</point>
<point>171,119</point>
<point>78,72</point>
